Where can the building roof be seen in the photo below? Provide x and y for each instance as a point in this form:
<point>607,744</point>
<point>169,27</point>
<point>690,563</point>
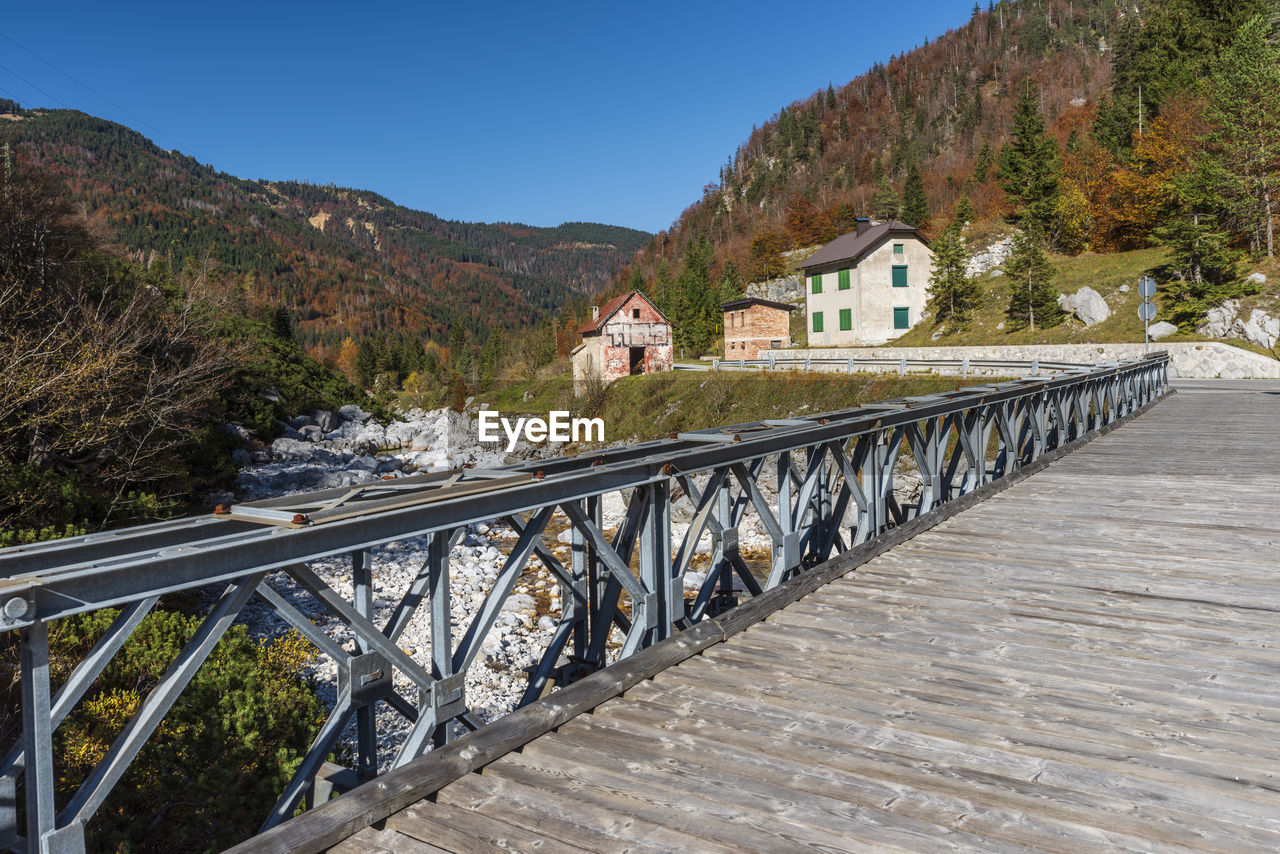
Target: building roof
<point>852,246</point>
<point>611,307</point>
<point>746,301</point>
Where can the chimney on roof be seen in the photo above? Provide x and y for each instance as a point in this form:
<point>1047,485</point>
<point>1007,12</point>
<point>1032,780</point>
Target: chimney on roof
<point>861,224</point>
<point>595,312</point>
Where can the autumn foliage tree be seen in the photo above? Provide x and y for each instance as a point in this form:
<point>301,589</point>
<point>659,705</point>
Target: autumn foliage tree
<point>108,370</point>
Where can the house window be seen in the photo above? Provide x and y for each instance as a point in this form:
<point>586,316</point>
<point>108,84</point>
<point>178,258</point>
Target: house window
<point>846,319</point>
<point>815,283</point>
<point>635,314</point>
<point>775,344</point>
<point>899,275</point>
<point>897,249</point>
<point>843,276</point>
<point>731,320</point>
<point>901,318</point>
<point>817,321</point>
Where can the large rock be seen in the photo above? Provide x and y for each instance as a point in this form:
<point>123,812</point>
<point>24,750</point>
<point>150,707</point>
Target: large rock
<point>1261,329</point>
<point>327,420</point>
<point>1163,329</point>
<point>785,289</point>
<point>1086,304</point>
<point>989,259</point>
<point>1257,278</point>
<point>351,412</point>
<point>1218,321</point>
<point>285,448</point>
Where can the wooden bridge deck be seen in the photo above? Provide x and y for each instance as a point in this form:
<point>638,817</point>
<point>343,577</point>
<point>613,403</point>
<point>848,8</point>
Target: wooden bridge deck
<point>1087,661</point>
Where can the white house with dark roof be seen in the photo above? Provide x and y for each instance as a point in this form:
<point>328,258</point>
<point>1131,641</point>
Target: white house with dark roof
<point>868,286</point>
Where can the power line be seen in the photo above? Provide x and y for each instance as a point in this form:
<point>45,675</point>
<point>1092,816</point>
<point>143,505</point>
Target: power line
<point>34,86</point>
<point>86,86</point>
<point>11,95</point>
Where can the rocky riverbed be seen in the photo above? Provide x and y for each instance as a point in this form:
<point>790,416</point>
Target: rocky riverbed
<point>348,447</point>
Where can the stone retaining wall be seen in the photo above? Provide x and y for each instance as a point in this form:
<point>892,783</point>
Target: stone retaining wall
<point>1201,360</point>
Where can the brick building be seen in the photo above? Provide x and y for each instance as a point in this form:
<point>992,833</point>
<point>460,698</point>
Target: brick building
<point>752,326</point>
<point>627,335</point>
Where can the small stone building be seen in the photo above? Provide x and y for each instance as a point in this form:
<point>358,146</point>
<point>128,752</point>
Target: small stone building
<point>868,286</point>
<point>753,326</point>
<point>627,335</point>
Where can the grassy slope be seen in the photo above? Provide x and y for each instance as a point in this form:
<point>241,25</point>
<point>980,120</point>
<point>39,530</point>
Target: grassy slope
<point>649,407</point>
<point>1105,274</point>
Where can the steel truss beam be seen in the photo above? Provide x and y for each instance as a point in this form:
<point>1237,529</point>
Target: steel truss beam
<point>816,485</point>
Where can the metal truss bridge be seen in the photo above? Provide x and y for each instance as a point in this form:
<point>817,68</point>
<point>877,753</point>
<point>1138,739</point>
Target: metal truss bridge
<point>990,680</point>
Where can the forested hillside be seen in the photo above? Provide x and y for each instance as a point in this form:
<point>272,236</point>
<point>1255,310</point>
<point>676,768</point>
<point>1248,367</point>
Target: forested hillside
<point>347,263</point>
<point>1092,125</point>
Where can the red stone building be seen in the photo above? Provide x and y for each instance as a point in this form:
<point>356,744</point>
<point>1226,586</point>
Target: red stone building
<point>754,326</point>
<point>627,335</point>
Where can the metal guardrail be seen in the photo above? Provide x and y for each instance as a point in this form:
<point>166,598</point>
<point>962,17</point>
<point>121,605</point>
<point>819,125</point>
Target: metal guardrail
<point>963,367</point>
<point>834,476</point>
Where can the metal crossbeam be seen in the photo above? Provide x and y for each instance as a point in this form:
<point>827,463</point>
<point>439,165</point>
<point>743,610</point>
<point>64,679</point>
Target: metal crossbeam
<point>816,485</point>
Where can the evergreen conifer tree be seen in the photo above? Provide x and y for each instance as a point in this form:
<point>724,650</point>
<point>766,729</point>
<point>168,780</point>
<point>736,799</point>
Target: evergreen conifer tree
<point>1245,114</point>
<point>1203,270</point>
<point>915,204</point>
<point>695,325</point>
<point>953,296</point>
<point>884,205</point>
<point>1030,164</point>
<point>1032,299</point>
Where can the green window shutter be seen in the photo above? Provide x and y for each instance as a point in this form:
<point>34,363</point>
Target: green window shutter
<point>843,276</point>
<point>899,275</point>
<point>846,319</point>
<point>817,321</point>
<point>815,283</point>
<point>901,318</point>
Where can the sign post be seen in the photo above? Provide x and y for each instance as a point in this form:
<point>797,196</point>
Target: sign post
<point>1146,309</point>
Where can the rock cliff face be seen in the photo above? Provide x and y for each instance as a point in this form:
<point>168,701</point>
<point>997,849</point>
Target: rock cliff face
<point>986,260</point>
<point>1225,321</point>
<point>785,289</point>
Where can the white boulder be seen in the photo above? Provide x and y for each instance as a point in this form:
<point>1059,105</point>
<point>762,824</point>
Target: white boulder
<point>989,259</point>
<point>1163,329</point>
<point>1086,304</point>
<point>1261,329</point>
<point>1218,321</point>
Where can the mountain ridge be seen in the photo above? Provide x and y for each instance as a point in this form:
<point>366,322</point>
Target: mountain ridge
<point>347,262</point>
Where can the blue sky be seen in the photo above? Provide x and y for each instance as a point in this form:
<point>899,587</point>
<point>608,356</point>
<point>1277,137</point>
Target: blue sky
<point>528,112</point>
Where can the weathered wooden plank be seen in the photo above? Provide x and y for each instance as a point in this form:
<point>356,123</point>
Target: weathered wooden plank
<point>1098,749</point>
<point>993,659</point>
<point>546,811</point>
<point>465,832</point>
<point>759,816</point>
<point>370,841</point>
<point>985,791</point>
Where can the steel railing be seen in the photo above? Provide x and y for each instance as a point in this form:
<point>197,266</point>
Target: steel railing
<point>961,367</point>
<point>817,484</point>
